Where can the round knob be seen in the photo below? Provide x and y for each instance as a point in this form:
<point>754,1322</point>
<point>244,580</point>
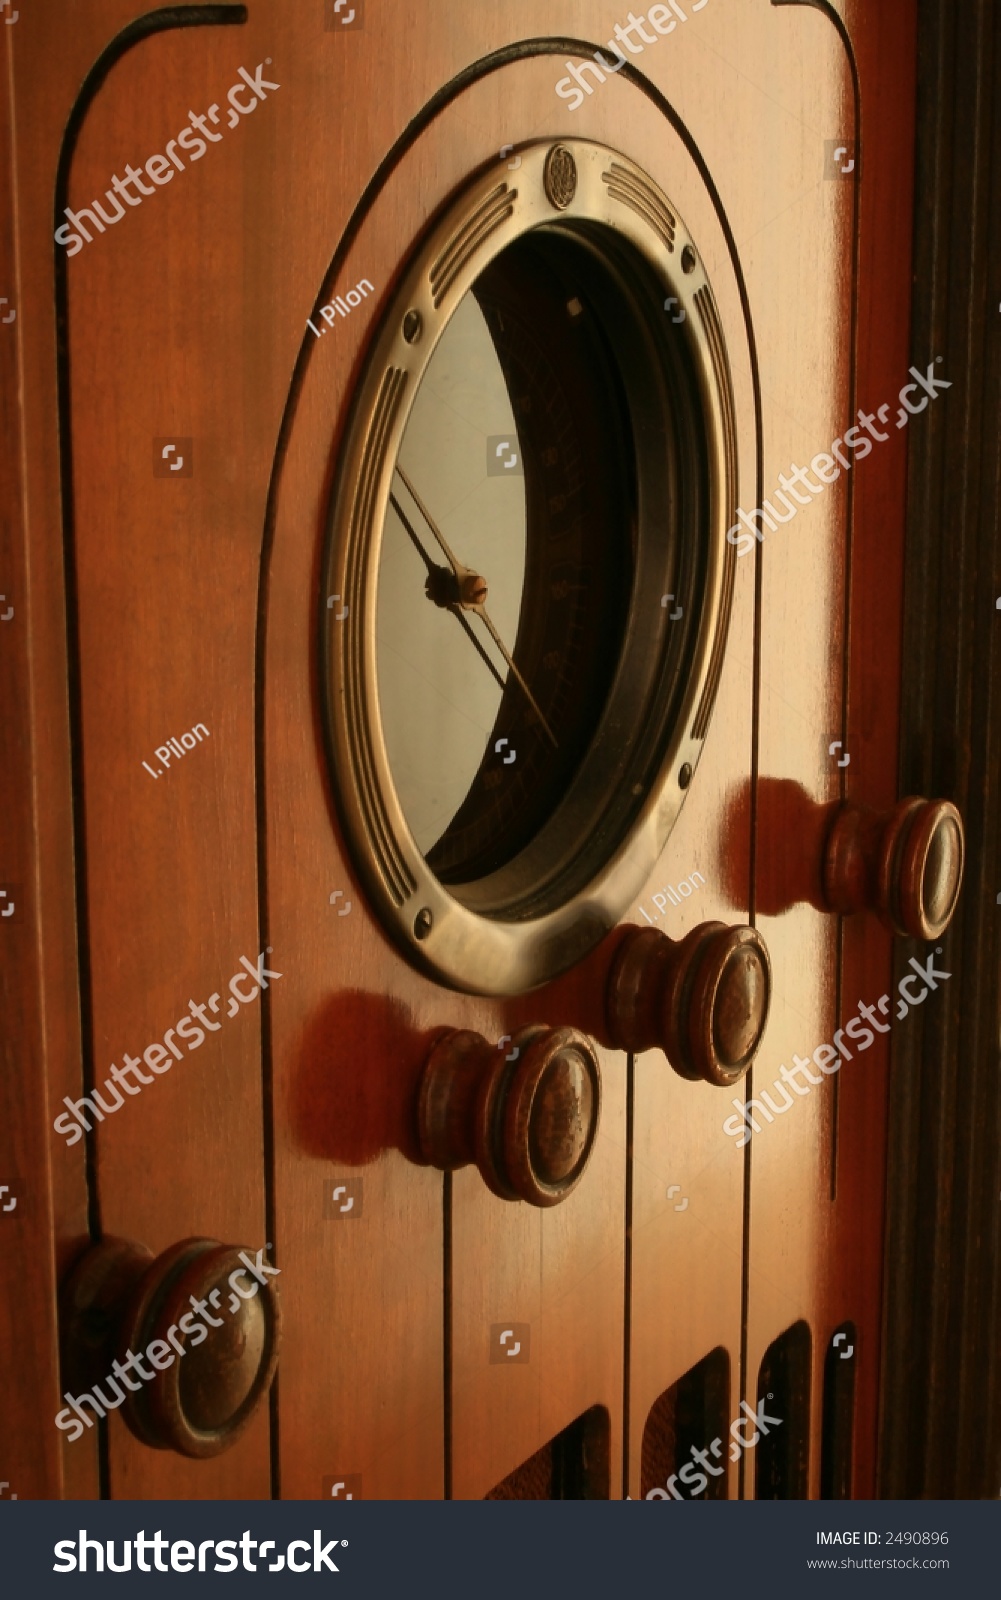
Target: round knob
<point>702,999</point>
<point>527,1115</point>
<point>185,1344</point>
<point>906,864</point>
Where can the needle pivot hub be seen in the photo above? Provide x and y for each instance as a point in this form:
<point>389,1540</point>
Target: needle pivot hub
<point>446,588</point>
<point>472,590</point>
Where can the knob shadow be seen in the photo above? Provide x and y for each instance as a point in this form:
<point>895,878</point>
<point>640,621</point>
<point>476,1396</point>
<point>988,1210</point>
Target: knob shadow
<point>356,1086</point>
<point>791,831</point>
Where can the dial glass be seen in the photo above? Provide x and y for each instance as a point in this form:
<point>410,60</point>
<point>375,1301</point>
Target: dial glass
<point>508,558</point>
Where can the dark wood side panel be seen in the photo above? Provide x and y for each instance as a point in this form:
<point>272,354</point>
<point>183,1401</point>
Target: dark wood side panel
<point>941,1412</point>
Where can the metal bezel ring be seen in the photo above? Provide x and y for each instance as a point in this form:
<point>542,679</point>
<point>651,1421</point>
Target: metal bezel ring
<point>518,947</point>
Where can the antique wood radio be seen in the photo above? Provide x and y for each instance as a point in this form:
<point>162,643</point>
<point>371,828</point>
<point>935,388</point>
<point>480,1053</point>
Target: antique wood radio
<point>480,1013</point>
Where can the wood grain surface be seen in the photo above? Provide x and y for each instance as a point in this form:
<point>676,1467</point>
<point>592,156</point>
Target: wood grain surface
<point>148,605</point>
<point>800,283</point>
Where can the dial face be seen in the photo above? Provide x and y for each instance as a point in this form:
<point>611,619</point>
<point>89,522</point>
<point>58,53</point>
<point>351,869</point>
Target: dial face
<point>527,535</point>
<point>507,561</point>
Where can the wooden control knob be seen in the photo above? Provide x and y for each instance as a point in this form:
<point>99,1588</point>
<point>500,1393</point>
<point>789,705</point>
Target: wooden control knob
<point>905,864</point>
<point>186,1344</point>
<point>526,1112</point>
<point>702,999</point>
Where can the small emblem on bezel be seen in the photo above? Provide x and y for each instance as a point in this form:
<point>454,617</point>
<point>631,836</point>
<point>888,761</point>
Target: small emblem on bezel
<point>559,177</point>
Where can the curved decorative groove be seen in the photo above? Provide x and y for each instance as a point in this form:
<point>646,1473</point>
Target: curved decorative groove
<point>497,206</point>
<point>709,317</point>
<point>161,21</point>
<point>392,865</point>
<point>631,189</point>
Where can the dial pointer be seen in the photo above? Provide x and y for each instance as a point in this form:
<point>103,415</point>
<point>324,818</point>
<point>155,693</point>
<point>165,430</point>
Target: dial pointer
<point>502,647</point>
<point>462,575</point>
<point>456,610</point>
